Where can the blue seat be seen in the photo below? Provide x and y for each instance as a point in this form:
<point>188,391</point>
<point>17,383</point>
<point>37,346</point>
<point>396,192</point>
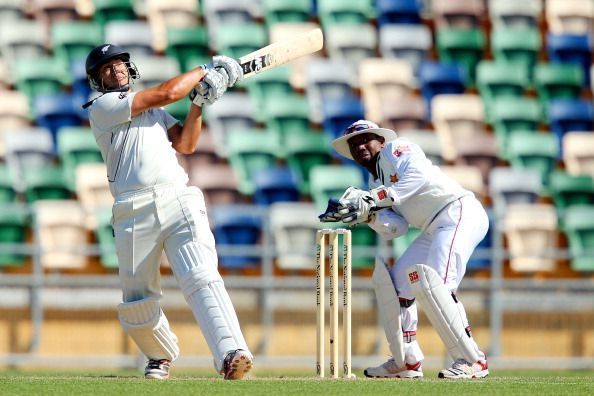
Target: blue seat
<point>278,184</point>
<point>339,113</point>
<point>237,227</point>
<point>80,85</point>
<point>440,78</point>
<point>398,11</point>
<point>55,111</point>
<point>571,48</point>
<point>570,115</point>
<point>481,257</point>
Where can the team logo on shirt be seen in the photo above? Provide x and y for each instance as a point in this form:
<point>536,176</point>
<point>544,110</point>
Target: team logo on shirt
<point>122,95</point>
<point>394,178</point>
<point>401,150</point>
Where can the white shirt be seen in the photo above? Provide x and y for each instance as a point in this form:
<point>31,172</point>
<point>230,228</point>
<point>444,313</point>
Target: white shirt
<point>137,151</point>
<point>419,188</point>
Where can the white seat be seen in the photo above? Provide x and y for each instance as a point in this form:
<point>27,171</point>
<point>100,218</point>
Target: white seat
<point>154,70</point>
<point>408,42</point>
<point>135,37</point>
<point>14,111</point>
<point>162,14</point>
<point>570,16</point>
<point>468,176</point>
<point>22,39</point>
<point>351,44</point>
<point>513,185</point>
<point>578,152</point>
<point>513,13</point>
<point>428,140</point>
<point>92,190</point>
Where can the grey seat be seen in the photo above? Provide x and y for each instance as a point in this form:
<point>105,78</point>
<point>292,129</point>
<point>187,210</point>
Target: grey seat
<point>351,44</point>
<point>513,13</point>
<point>154,70</point>
<point>510,186</point>
<point>22,39</point>
<point>134,36</point>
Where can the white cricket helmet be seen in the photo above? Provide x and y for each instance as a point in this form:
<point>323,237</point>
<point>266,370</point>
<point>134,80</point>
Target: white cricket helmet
<point>360,127</point>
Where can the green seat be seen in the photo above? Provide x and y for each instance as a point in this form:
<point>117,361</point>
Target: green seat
<point>269,86</point>
<point>333,12</point>
<point>305,151</point>
<point>568,190</point>
<point>579,228</point>
<point>276,11</point>
<point>513,114</point>
<point>113,10</point>
<point>534,150</point>
<point>462,46</point>
<point>500,80</point>
<point>188,44</point>
<point>287,116</point>
<point>38,76</point>
<point>179,109</point>
<point>105,238</point>
<point>76,145</point>
<point>45,183</point>
<point>7,191</point>
<point>74,39</point>
<point>558,81</point>
<point>251,150</point>
<point>331,181</point>
<point>238,40</point>
<point>400,244</point>
<point>519,45</point>
<point>14,221</point>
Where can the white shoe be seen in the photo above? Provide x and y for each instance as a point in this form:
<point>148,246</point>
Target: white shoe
<point>390,370</point>
<point>157,369</point>
<point>237,364</point>
<point>461,369</point>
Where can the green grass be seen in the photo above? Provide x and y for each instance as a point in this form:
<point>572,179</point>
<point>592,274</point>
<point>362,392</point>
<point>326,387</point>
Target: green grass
<point>271,384</point>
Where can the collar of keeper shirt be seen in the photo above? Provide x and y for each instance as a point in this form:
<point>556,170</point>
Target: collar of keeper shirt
<point>136,151</point>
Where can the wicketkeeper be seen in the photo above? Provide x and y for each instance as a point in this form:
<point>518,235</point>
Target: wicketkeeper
<point>406,189</point>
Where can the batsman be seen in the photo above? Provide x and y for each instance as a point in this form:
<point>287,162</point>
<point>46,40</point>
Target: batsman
<point>405,188</point>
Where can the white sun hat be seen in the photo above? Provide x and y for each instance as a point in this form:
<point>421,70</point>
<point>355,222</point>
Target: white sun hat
<point>358,128</point>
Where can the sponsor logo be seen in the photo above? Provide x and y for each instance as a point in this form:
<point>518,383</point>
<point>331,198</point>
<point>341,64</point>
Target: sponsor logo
<point>105,48</point>
<point>401,150</point>
<point>394,178</point>
<point>122,95</point>
<point>413,277</point>
<point>382,194</point>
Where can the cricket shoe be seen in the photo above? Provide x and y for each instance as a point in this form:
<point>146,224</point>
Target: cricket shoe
<point>157,369</point>
<point>461,369</point>
<point>237,364</point>
<point>390,369</point>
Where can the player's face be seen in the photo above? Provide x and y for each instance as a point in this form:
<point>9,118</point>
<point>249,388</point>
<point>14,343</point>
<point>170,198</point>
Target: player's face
<point>114,74</point>
<point>365,147</point>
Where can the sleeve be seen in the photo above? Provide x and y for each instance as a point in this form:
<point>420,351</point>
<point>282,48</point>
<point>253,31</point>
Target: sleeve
<point>410,165</point>
<point>112,109</point>
<point>168,119</point>
<point>388,224</point>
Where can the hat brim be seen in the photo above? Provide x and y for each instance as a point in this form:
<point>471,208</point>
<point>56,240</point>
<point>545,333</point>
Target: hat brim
<point>342,147</point>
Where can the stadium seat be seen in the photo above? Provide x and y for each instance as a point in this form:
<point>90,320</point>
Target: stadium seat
<point>54,111</point>
<point>463,14</point>
<point>20,39</point>
<point>578,152</point>
<point>134,36</point>
<point>558,81</point>
<point>237,227</point>
<point>517,45</point>
<point>162,15</point>
<point>456,117</point>
<point>73,40</point>
<point>294,226</point>
<point>275,184</point>
<point>45,183</point>
<point>237,40</point>
<point>399,12</point>
<point>179,109</point>
<point>480,259</point>
<point>330,181</point>
<point>81,91</point>
<point>382,80</point>
<point>41,75</point>
<point>14,110</point>
<point>461,46</point>
<point>407,112</point>
<point>218,182</point>
<point>234,110</point>
<point>282,11</point>
<point>429,141</point>
<point>187,44</point>
<point>205,154</point>
<point>14,222</point>
<point>75,146</point>
<point>570,115</point>
<point>303,152</point>
<point>11,10</point>
<point>568,190</point>
<point>62,234</point>
<point>351,44</point>
<point>534,150</point>
<point>439,78</point>
<point>509,115</point>
<point>7,191</point>
<point>570,16</point>
<point>469,177</point>
<point>514,14</point>
<point>92,191</point>
<point>219,13</point>
<point>531,234</point>
<point>325,78</point>
<point>250,151</point>
<point>265,87</point>
<point>512,186</point>
<point>479,150</point>
<point>579,228</point>
<point>106,11</point>
<point>571,48</point>
<point>409,42</point>
<point>400,244</point>
<point>338,12</point>
<point>105,239</point>
<point>287,116</point>
<point>339,113</point>
<point>155,70</point>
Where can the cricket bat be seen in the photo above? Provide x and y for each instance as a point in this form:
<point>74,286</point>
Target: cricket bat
<point>279,53</point>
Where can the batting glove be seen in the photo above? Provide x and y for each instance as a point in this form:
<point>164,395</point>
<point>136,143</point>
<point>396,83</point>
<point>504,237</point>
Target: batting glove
<point>228,66</point>
<point>210,89</point>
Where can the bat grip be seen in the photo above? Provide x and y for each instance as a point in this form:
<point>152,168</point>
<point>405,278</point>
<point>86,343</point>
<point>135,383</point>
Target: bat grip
<point>202,87</point>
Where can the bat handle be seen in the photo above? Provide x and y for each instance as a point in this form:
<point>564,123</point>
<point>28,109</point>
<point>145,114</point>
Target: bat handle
<point>202,87</point>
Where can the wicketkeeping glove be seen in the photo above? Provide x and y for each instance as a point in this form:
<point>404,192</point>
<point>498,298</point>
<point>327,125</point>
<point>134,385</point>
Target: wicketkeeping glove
<point>331,214</point>
<point>356,206</point>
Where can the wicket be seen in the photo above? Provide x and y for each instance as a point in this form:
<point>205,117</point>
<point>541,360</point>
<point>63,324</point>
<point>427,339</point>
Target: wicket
<point>332,235</point>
